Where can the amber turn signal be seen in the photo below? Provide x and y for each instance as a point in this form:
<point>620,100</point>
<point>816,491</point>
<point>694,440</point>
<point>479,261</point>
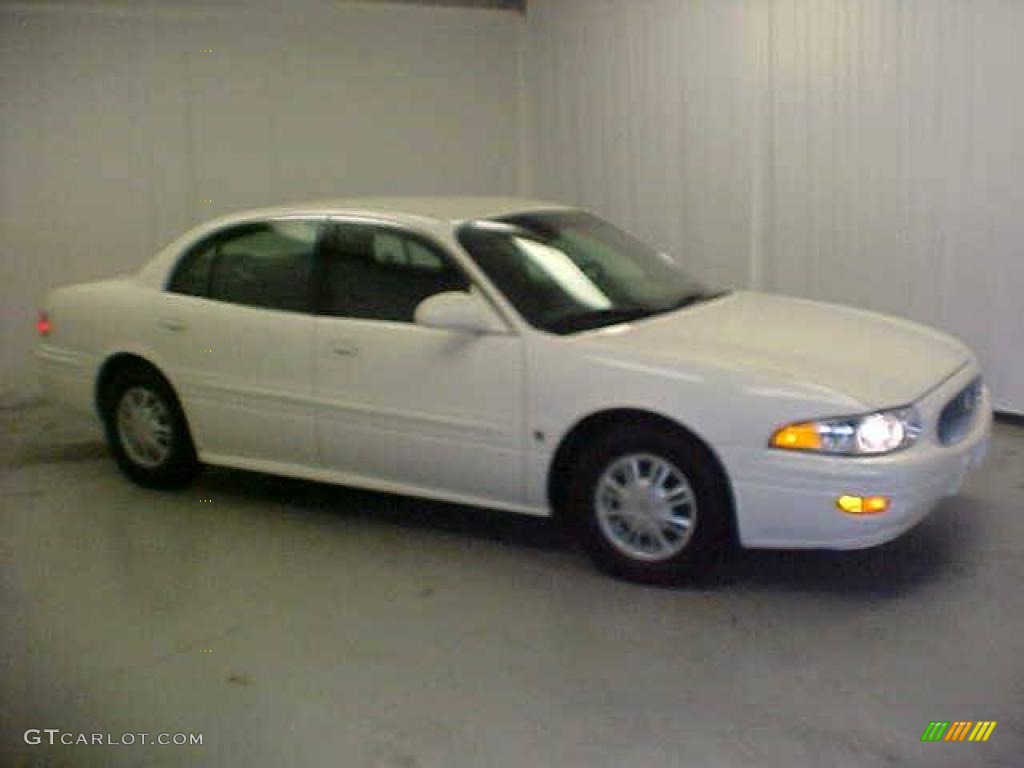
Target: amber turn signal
<point>863,505</point>
<point>798,437</point>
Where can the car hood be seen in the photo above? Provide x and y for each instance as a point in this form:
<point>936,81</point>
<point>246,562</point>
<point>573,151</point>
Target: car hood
<point>876,359</point>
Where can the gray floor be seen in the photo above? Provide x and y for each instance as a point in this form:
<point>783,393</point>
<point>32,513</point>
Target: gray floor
<point>299,624</point>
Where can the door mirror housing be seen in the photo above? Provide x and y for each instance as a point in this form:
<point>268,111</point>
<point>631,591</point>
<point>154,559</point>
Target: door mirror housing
<point>458,311</point>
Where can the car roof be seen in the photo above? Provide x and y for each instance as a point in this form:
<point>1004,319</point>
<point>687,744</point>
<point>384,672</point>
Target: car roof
<point>436,208</point>
<point>437,214</point>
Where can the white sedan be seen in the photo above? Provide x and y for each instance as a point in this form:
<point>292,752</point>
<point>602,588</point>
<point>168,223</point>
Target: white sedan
<point>523,356</point>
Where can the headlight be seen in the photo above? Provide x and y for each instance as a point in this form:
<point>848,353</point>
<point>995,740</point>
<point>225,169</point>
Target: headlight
<point>868,435</point>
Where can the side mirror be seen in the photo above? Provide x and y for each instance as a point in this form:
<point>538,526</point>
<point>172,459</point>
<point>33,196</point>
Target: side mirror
<point>458,311</point>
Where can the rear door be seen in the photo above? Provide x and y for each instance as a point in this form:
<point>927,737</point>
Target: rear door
<point>237,328</point>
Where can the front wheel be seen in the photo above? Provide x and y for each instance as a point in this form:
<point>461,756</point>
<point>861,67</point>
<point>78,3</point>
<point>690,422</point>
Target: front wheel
<point>146,430</point>
<point>650,504</point>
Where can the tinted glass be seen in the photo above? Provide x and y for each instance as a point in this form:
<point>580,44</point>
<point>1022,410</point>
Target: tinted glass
<point>192,275</point>
<point>382,274</point>
<point>266,265</point>
<point>568,271</point>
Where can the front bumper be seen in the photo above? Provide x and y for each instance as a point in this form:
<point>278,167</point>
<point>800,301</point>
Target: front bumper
<point>787,500</point>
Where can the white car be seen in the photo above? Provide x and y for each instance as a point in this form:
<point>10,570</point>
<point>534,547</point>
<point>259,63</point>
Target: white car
<point>523,356</point>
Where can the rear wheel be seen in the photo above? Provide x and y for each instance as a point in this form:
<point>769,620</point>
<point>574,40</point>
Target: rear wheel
<point>146,429</point>
<point>650,504</point>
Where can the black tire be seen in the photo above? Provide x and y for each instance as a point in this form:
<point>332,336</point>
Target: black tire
<point>710,535</point>
<point>179,465</point>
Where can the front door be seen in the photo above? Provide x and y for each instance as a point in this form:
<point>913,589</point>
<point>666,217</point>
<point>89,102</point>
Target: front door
<point>401,405</point>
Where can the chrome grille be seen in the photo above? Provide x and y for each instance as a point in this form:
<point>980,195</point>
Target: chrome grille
<point>958,415</point>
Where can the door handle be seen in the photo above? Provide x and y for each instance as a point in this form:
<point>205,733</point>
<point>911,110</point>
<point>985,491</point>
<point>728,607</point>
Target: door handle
<point>344,348</point>
<point>171,324</point>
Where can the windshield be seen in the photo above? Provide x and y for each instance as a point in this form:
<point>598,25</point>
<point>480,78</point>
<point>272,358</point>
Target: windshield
<point>569,271</point>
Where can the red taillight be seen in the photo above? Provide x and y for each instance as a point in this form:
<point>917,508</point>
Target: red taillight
<point>43,324</point>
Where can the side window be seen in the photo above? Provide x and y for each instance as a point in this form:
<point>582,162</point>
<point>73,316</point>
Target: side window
<point>192,275</point>
<point>268,264</point>
<point>422,257</point>
<point>378,273</point>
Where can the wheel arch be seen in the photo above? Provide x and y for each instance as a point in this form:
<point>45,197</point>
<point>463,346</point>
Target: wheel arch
<point>113,365</point>
<point>588,427</point>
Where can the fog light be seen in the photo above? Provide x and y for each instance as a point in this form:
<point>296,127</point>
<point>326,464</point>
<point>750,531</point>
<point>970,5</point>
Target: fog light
<point>863,505</point>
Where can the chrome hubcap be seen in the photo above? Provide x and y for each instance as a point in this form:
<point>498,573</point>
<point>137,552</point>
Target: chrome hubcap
<point>645,507</point>
<point>144,426</point>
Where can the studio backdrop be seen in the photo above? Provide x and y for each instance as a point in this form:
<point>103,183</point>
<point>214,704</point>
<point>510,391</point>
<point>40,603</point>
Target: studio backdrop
<point>125,123</point>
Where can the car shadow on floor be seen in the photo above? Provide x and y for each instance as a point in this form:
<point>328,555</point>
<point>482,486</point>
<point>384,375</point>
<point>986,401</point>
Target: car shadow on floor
<point>937,549</point>
<point>940,548</point>
<point>414,514</point>
<point>64,453</point>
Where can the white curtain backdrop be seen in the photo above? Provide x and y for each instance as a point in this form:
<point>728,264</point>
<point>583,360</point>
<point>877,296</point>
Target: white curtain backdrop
<point>125,123</point>
<point>867,152</point>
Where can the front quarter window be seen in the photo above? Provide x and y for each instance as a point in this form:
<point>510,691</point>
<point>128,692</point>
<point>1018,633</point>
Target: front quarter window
<point>568,271</point>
